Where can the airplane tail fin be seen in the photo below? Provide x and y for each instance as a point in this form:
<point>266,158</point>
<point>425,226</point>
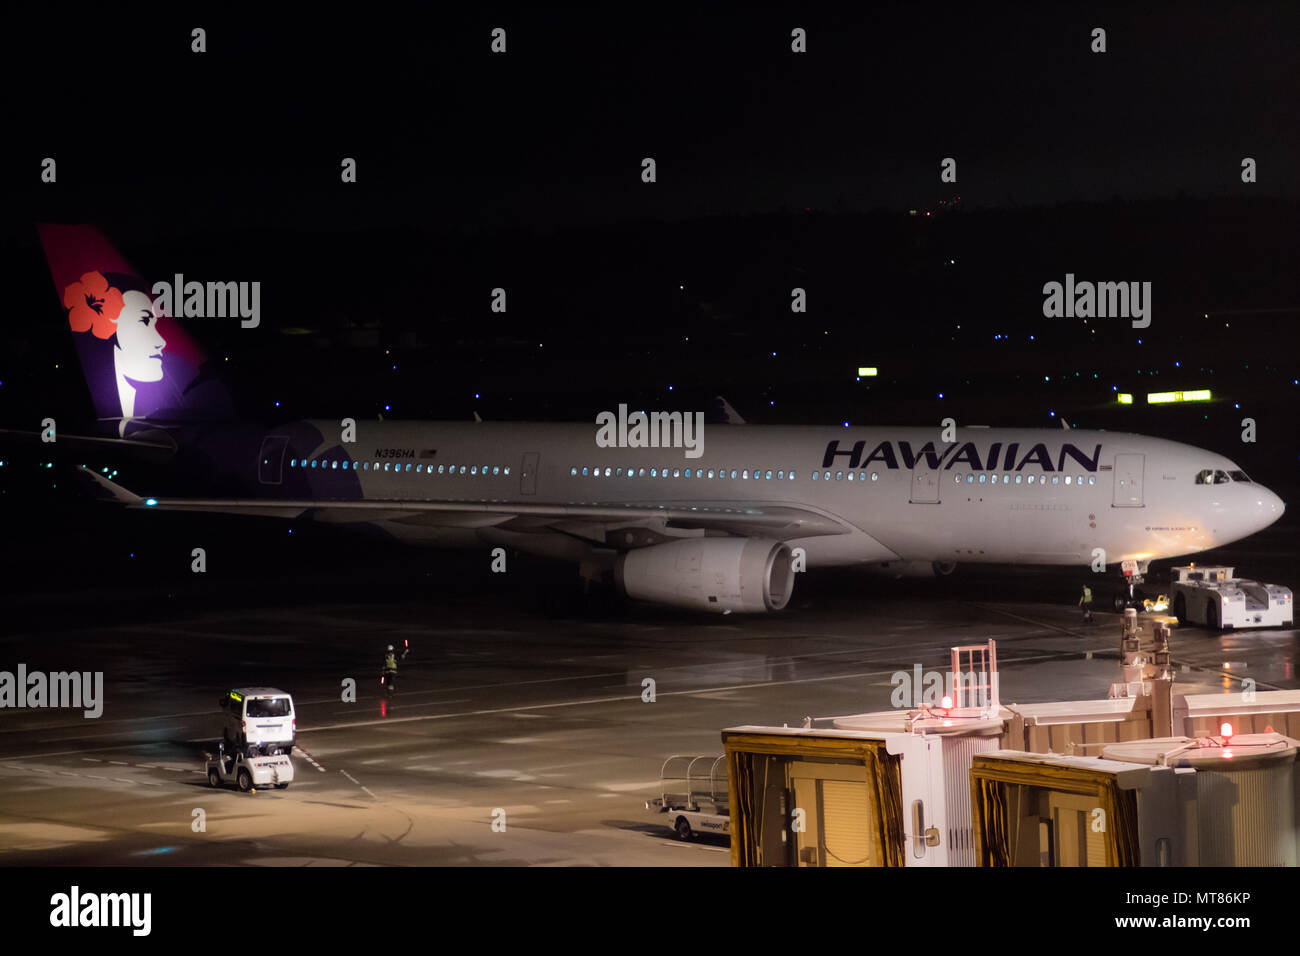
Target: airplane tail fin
<point>139,364</point>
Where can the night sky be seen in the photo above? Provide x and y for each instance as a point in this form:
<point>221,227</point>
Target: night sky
<point>775,170</point>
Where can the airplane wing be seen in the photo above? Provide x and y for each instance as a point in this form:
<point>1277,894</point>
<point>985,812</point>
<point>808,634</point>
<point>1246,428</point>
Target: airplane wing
<point>743,519</point>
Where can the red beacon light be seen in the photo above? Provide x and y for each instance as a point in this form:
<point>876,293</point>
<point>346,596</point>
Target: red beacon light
<point>946,703</point>
<point>1225,731</point>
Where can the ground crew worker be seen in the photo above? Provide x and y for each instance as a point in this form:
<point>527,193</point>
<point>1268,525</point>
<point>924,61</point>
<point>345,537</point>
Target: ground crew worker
<point>1085,602</point>
<point>390,668</point>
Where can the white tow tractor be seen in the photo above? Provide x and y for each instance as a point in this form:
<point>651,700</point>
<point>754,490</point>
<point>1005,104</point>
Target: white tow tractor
<point>249,773</point>
<point>694,794</point>
<point>1211,597</point>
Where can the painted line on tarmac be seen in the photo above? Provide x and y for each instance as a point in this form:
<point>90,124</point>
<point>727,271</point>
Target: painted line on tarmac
<point>309,758</point>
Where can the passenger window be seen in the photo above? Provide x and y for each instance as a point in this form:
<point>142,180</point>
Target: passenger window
<point>875,476</point>
<point>839,476</point>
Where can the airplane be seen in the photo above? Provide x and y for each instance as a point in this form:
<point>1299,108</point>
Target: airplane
<point>723,527</point>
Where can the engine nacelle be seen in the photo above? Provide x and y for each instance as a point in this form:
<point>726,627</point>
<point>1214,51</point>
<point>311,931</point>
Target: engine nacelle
<point>710,574</point>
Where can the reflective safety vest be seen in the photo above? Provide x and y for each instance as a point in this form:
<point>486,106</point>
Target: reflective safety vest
<point>390,663</point>
<point>1087,594</point>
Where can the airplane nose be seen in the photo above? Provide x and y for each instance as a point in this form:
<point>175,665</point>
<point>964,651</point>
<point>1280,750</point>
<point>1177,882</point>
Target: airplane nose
<point>1268,507</point>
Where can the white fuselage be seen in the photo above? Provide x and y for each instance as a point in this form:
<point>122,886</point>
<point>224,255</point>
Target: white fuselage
<point>1036,496</point>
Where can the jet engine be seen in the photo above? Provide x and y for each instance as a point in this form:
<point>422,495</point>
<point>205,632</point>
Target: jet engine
<point>709,574</point>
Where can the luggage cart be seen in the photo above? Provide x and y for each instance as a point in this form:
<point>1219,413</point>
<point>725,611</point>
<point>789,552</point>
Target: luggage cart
<point>694,793</point>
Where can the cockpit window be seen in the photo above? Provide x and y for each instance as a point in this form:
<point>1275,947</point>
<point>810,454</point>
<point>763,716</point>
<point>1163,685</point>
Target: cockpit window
<point>1238,476</point>
<point>1214,476</point>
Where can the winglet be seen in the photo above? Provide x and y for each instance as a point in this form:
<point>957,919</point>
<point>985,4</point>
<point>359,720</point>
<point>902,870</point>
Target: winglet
<point>729,415</point>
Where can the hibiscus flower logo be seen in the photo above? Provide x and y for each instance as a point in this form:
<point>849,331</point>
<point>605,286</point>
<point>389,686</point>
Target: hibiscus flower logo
<point>93,305</point>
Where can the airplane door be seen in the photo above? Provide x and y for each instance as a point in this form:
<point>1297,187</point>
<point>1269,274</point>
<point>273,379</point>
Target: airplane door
<point>1128,481</point>
<point>925,486</point>
<point>528,473</point>
<point>270,463</point>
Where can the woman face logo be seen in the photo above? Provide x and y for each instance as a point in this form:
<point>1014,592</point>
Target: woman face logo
<point>139,344</point>
<point>127,319</point>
